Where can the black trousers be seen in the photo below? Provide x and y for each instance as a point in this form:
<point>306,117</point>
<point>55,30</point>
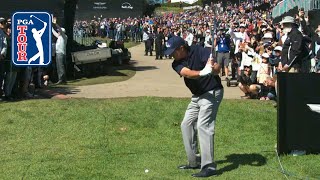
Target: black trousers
<point>148,48</point>
<point>159,50</point>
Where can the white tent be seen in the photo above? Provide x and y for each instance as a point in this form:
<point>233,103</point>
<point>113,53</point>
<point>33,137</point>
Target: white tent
<point>185,1</point>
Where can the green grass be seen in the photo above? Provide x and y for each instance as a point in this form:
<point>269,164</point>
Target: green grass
<point>162,10</point>
<point>174,7</point>
<point>120,138</point>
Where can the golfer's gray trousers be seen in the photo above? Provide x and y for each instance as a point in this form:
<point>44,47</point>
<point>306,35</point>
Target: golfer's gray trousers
<point>199,120</point>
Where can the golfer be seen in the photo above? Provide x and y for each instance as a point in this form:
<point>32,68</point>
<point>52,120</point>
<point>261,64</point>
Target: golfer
<point>201,76</point>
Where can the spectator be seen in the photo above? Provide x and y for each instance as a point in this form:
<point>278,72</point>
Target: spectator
<point>246,82</point>
<point>11,70</point>
<point>223,57</point>
<point>147,42</point>
<point>208,40</point>
<point>276,59</point>
<point>3,51</point>
<point>61,54</point>
<point>294,49</point>
<point>159,42</point>
<point>189,37</point>
<point>239,37</point>
<point>264,71</point>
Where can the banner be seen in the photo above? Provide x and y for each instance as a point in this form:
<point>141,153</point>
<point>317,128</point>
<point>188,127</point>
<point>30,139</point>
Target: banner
<point>88,9</point>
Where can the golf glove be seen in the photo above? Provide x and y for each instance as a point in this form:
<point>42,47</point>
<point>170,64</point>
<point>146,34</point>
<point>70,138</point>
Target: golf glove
<point>206,70</point>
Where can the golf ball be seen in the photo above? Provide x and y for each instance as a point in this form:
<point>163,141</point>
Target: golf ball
<point>146,171</point>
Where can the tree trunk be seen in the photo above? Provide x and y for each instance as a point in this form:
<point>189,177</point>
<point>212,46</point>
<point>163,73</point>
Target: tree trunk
<point>69,15</point>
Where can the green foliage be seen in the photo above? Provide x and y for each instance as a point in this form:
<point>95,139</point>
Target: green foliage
<point>120,138</point>
<point>199,2</point>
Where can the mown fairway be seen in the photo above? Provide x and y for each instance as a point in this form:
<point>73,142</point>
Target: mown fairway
<point>120,138</point>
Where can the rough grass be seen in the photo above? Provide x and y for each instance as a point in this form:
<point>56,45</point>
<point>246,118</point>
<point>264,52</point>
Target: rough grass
<point>120,138</point>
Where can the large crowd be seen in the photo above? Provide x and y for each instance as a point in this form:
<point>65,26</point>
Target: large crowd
<point>21,82</point>
<point>244,39</point>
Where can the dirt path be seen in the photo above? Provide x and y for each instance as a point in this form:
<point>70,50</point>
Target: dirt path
<point>153,78</point>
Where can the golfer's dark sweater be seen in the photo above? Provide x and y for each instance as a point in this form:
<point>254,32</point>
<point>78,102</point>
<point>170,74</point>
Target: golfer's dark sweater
<point>196,60</point>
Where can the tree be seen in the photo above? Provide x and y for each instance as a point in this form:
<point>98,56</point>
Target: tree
<point>69,16</point>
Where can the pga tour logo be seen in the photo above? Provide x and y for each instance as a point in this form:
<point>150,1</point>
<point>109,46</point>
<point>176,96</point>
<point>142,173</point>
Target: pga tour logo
<point>31,38</point>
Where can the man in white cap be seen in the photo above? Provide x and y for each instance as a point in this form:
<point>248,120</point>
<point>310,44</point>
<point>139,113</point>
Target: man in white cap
<point>294,49</point>
<point>61,54</point>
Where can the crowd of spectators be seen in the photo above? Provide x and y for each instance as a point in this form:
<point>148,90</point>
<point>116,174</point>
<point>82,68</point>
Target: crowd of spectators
<point>244,39</point>
<point>21,82</point>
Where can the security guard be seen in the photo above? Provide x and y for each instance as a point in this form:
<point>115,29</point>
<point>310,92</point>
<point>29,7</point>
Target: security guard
<point>201,77</point>
<point>159,41</point>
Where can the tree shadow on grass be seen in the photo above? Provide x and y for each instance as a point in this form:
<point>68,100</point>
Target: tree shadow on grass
<point>50,92</point>
<point>237,160</point>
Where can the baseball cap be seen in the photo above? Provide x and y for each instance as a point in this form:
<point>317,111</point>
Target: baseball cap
<point>2,19</point>
<point>243,25</point>
<point>265,55</point>
<point>278,48</point>
<point>174,43</point>
<point>267,36</point>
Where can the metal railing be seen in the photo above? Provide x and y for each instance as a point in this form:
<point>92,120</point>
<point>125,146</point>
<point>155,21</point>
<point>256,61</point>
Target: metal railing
<point>286,5</point>
<point>82,38</point>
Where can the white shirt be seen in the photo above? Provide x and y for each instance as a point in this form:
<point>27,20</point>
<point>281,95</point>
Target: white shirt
<point>246,60</point>
<point>317,47</point>
<point>256,61</point>
<point>237,38</point>
<point>189,39</point>
<point>145,36</point>
<point>206,40</point>
<point>61,43</point>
